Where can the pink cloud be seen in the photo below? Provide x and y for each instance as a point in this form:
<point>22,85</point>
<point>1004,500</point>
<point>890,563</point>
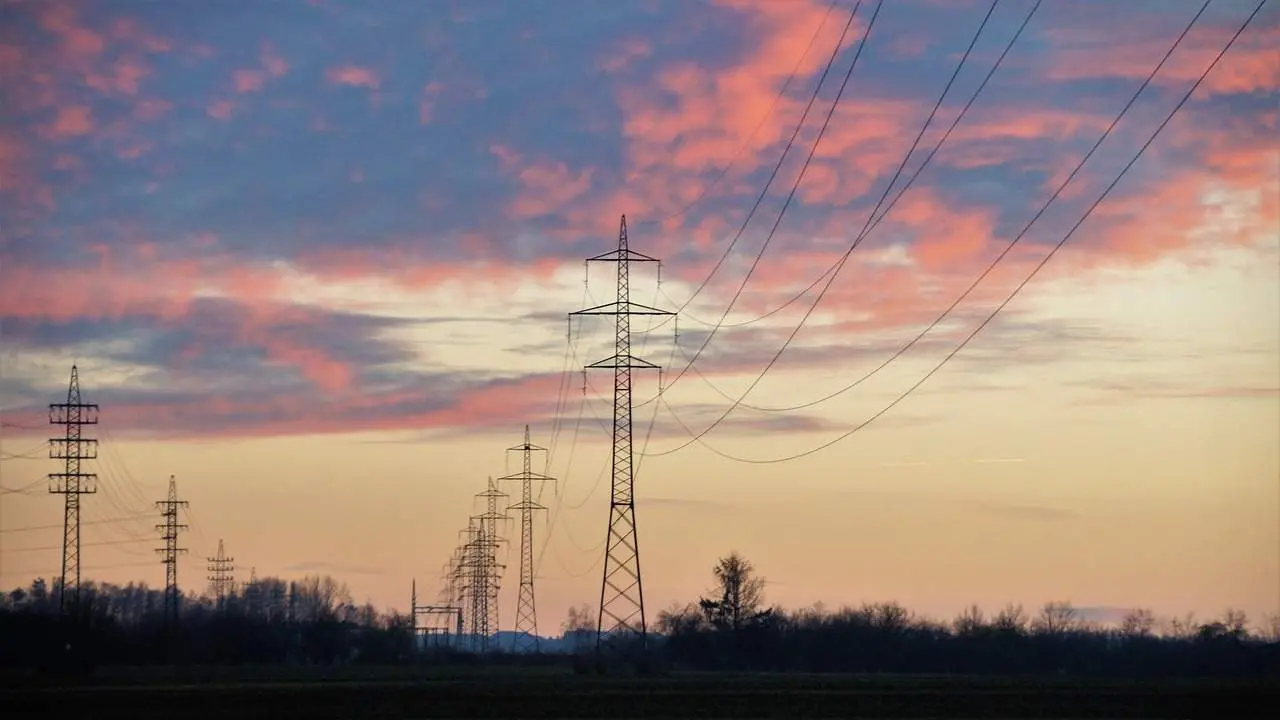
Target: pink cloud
<point>247,81</point>
<point>221,109</point>
<point>624,53</point>
<point>151,109</point>
<point>274,64</point>
<point>354,76</point>
<point>72,121</point>
<point>426,106</point>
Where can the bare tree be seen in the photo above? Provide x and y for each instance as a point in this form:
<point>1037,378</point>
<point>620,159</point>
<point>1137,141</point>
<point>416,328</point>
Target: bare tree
<point>740,591</point>
<point>1056,618</point>
<point>1183,627</point>
<point>888,616</point>
<point>1010,619</point>
<point>970,621</point>
<point>580,619</point>
<point>1236,622</point>
<point>1138,622</point>
<point>1270,630</point>
<point>677,618</point>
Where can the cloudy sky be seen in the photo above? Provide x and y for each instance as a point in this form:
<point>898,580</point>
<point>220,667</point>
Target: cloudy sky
<point>315,259</point>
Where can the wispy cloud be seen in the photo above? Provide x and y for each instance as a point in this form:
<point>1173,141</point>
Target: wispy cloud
<point>229,212</point>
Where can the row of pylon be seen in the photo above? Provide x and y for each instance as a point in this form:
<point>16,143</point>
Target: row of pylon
<point>468,600</point>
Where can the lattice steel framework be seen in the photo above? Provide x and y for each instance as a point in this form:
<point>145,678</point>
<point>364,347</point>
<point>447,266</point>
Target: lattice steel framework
<point>489,579</point>
<point>526,630</point>
<point>169,530</point>
<point>73,449</point>
<point>621,631</point>
<point>221,576</point>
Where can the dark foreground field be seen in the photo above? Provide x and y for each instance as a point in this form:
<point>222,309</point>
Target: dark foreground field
<point>407,693</point>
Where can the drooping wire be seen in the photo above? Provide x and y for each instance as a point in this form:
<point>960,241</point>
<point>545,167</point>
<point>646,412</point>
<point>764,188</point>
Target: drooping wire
<point>964,111</point>
<point>835,52</point>
<point>702,194</point>
<point>740,401</point>
<point>790,196</point>
<point>698,437</point>
<point>1018,289</point>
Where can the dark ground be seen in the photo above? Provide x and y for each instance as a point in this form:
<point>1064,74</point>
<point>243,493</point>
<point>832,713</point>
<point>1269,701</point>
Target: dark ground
<point>189,693</point>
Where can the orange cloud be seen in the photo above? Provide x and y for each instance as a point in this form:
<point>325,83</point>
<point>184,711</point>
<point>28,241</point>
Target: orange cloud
<point>354,76</point>
<point>699,117</point>
<point>1251,65</point>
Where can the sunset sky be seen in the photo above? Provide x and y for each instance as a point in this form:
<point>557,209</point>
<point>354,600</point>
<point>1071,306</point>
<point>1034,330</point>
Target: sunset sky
<point>314,259</point>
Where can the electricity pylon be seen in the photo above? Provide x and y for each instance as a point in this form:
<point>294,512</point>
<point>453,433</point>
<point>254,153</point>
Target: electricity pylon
<point>221,575</point>
<point>72,448</point>
<point>526,630</point>
<point>169,530</point>
<point>620,626</point>
<point>490,577</point>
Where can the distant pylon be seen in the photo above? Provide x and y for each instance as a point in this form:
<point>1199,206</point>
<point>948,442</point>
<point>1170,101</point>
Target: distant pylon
<point>621,627</point>
<point>526,630</point>
<point>490,577</point>
<point>221,575</point>
<point>169,530</point>
<point>72,482</point>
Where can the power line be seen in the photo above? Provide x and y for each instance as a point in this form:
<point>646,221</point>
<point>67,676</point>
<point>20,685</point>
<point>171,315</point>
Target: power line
<point>791,195</point>
<point>30,528</point>
<point>1053,251</point>
<point>698,437</point>
<point>740,401</point>
<point>835,52</point>
<point>906,186</point>
<point>755,131</point>
<point>87,544</point>
<point>24,490</point>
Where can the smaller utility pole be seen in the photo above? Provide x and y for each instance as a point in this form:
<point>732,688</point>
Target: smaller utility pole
<point>526,631</point>
<point>221,575</point>
<point>169,530</point>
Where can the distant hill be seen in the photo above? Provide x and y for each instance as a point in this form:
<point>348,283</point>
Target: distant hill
<point>505,641</point>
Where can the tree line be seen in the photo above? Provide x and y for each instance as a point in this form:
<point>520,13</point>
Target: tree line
<point>733,629</point>
<point>314,621</point>
<point>268,621</point>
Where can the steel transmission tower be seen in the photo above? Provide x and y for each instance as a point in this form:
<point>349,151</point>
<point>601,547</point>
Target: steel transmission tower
<point>169,530</point>
<point>489,579</point>
<point>221,575</point>
<point>72,448</point>
<point>621,624</point>
<point>526,637</point>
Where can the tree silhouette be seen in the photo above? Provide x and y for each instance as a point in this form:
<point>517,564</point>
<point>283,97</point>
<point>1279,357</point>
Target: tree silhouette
<point>740,593</point>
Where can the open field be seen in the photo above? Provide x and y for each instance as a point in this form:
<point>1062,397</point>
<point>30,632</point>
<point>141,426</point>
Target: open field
<point>139,694</point>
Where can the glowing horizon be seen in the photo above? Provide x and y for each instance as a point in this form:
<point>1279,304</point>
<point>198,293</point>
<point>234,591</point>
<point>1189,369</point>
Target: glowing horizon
<point>326,288</point>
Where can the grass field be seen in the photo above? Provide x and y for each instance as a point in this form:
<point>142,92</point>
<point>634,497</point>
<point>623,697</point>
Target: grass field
<point>139,694</point>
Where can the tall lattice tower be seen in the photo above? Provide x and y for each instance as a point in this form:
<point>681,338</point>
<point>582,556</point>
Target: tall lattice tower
<point>466,581</point>
<point>73,449</point>
<point>489,540</point>
<point>526,635</point>
<point>169,530</point>
<point>621,630</point>
<point>221,575</point>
